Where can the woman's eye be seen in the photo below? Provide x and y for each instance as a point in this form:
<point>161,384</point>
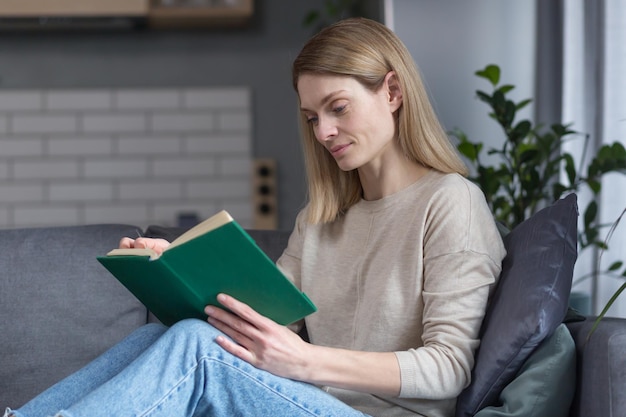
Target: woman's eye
<point>339,109</point>
<point>311,120</point>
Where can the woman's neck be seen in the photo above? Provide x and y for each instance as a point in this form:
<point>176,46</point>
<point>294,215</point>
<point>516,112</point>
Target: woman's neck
<point>385,181</point>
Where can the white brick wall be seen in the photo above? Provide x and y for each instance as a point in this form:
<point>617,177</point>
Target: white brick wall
<point>138,156</point>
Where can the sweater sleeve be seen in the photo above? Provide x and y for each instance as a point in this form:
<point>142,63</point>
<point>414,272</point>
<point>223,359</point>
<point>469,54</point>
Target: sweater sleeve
<point>462,261</point>
<point>291,260</point>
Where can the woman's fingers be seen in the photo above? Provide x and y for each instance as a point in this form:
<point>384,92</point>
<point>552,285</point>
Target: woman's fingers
<point>158,245</point>
<point>255,338</point>
<point>244,311</point>
<point>127,243</point>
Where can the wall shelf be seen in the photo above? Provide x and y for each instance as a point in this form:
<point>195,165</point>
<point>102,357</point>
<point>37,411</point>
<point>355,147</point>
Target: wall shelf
<point>72,8</point>
<point>222,14</point>
<point>98,14</point>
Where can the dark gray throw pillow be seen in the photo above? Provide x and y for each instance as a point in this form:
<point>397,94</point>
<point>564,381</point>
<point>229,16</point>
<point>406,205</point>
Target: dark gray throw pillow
<point>530,302</point>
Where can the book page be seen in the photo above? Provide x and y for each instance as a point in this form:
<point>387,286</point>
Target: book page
<point>209,224</point>
<point>134,252</point>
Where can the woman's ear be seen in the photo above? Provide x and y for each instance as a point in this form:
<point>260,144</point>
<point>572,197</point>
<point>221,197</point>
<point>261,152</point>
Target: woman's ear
<point>394,92</point>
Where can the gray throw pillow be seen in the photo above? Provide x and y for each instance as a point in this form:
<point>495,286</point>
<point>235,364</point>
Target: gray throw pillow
<point>545,385</point>
<point>529,303</point>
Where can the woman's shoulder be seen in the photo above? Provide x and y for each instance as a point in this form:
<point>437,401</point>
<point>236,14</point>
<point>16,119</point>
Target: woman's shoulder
<point>454,194</point>
<point>452,183</point>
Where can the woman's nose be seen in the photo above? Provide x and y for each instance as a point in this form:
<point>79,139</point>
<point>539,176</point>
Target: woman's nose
<point>326,130</point>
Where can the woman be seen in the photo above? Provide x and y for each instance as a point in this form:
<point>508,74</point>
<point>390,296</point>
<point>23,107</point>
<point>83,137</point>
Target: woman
<point>398,251</point>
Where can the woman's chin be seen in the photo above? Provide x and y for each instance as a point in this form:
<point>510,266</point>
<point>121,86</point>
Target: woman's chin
<point>346,165</point>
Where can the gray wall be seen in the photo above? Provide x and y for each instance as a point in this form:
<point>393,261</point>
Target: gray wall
<point>259,56</point>
<point>451,39</point>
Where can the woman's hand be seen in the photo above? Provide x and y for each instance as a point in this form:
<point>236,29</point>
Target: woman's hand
<point>276,349</point>
<point>157,245</point>
<point>259,340</point>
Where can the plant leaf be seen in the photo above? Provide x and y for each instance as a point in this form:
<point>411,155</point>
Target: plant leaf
<point>523,103</point>
<point>570,168</point>
<point>557,190</point>
<point>509,113</point>
<point>606,309</point>
<point>311,17</point>
<point>561,130</point>
<point>618,151</point>
<point>526,153</point>
<point>590,213</point>
<point>491,73</point>
<point>332,9</point>
<point>594,185</point>
<point>506,88</point>
<point>522,129</point>
<point>469,150</point>
<point>484,97</point>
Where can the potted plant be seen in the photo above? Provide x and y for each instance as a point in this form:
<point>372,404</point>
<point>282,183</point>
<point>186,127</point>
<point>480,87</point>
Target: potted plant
<point>528,175</point>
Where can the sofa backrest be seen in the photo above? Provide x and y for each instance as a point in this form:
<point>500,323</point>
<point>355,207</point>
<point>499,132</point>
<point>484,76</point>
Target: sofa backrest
<point>59,308</point>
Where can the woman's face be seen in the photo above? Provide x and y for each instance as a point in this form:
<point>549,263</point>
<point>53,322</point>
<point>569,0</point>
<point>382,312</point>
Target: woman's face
<point>355,125</point>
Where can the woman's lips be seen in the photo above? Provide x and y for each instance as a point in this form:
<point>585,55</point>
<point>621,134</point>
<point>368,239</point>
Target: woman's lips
<point>338,149</point>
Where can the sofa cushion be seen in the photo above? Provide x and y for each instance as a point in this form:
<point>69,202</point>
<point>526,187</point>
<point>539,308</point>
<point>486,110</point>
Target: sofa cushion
<point>60,306</point>
<point>529,303</point>
<point>545,385</point>
<point>601,367</point>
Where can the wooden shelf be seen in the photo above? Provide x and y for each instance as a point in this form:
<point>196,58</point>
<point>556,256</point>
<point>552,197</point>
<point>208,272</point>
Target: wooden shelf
<point>154,14</point>
<point>170,17</point>
<point>72,8</point>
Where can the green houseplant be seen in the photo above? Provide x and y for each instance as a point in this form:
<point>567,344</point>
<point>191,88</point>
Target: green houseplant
<point>330,11</point>
<point>528,174</point>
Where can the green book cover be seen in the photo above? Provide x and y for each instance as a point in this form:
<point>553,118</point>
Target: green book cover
<point>217,256</point>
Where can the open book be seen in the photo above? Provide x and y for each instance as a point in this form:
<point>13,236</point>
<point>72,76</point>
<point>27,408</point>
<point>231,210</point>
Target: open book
<point>216,256</point>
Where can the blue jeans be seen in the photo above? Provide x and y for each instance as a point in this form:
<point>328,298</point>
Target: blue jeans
<point>178,371</point>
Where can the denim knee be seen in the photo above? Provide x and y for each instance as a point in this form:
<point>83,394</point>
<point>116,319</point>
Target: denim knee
<point>193,332</point>
<point>150,330</point>
<point>192,328</point>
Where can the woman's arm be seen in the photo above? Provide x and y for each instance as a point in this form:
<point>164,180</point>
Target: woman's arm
<point>372,372</point>
<point>274,348</point>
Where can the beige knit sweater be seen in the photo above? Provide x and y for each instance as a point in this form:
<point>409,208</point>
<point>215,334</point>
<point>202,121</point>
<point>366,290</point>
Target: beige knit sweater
<point>411,274</point>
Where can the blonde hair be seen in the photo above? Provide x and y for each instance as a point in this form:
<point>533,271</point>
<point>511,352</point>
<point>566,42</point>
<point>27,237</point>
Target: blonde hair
<point>366,51</point>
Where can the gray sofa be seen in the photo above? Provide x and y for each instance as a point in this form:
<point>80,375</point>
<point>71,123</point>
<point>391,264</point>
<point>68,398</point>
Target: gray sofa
<point>60,308</point>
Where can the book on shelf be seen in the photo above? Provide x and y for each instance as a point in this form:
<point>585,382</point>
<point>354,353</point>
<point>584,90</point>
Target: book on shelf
<point>215,256</point>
